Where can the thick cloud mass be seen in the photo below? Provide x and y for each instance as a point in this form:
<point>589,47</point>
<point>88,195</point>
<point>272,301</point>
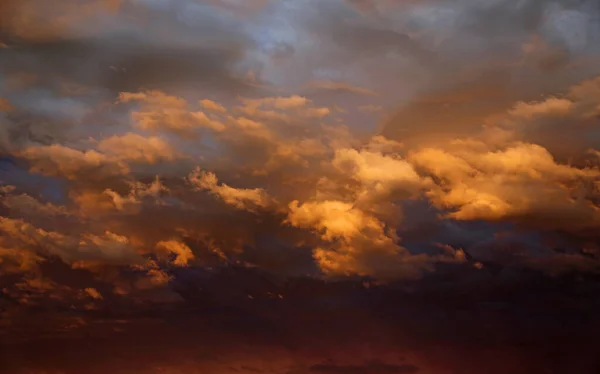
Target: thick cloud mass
<point>274,161</point>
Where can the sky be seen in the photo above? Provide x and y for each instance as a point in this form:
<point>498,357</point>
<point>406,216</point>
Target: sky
<point>299,186</point>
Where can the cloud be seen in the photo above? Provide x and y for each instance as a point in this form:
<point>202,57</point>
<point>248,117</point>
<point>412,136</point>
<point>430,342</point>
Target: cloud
<point>339,86</point>
<point>355,242</point>
<point>161,112</point>
<point>93,293</point>
<point>291,102</point>
<point>520,182</point>
<point>334,218</point>
<point>211,105</point>
<point>269,108</point>
<point>351,196</point>
<point>356,207</point>
<point>138,192</point>
<point>544,122</point>
<point>154,144</point>
<point>17,15</point>
<point>381,176</point>
<point>5,105</point>
<point>86,248</point>
<point>27,205</point>
<point>106,248</point>
<point>364,186</point>
<point>80,42</point>
<point>245,199</point>
<point>18,260</point>
<point>58,160</point>
<point>183,253</point>
<point>136,148</point>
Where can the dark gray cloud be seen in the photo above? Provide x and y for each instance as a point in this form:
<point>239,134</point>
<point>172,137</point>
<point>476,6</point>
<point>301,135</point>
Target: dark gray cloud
<point>120,65</point>
<point>185,44</point>
<point>493,54</point>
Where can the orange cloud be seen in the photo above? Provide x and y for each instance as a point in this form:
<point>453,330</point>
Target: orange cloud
<point>183,253</point>
<point>5,105</point>
<point>161,112</point>
<point>58,160</point>
<point>519,182</point>
<point>211,105</point>
<point>136,148</point>
<point>240,198</point>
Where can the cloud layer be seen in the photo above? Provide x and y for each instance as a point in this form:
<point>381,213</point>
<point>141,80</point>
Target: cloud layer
<point>143,141</point>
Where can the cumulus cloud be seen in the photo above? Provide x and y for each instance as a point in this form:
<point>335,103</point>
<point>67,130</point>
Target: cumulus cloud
<point>522,181</point>
<point>183,253</point>
<point>59,160</point>
<point>211,105</point>
<point>136,148</point>
<point>356,241</point>
<point>161,112</point>
<point>335,219</point>
<point>27,205</point>
<point>382,177</point>
<point>93,293</point>
<point>350,196</point>
<point>138,191</point>
<point>240,198</point>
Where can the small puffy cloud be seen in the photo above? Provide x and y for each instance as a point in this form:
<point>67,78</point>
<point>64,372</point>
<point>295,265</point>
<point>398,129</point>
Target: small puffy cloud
<point>334,219</point>
<point>371,168</point>
<point>317,112</point>
<point>282,108</point>
<point>107,248</point>
<point>93,293</point>
<point>138,191</point>
<point>183,253</point>
<point>91,203</point>
<point>136,148</point>
<point>253,128</point>
<point>550,107</point>
<point>62,161</point>
<point>123,203</point>
<point>17,259</point>
<point>383,145</point>
<point>381,177</point>
<point>162,112</point>
<point>241,198</point>
<point>213,106</point>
